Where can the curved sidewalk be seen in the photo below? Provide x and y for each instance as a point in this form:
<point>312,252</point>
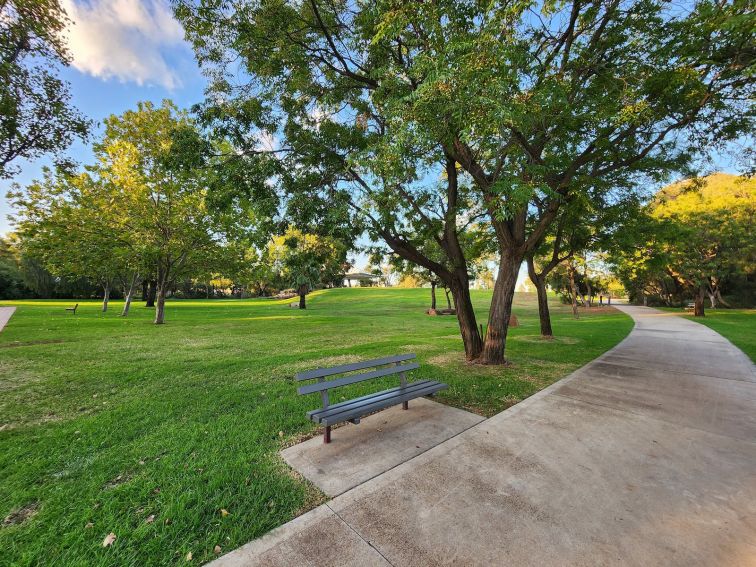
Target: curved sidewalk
<point>645,456</point>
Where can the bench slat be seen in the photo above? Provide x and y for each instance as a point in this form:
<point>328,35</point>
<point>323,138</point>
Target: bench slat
<point>367,408</point>
<point>315,414</point>
<point>323,372</point>
<point>320,386</point>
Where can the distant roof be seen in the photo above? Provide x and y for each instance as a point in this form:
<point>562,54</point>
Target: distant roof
<point>360,276</point>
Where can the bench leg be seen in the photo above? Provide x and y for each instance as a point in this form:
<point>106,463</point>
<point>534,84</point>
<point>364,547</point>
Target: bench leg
<point>327,434</point>
<point>405,405</point>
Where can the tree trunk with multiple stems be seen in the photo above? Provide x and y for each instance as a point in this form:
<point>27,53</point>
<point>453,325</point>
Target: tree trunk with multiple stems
<point>698,304</point>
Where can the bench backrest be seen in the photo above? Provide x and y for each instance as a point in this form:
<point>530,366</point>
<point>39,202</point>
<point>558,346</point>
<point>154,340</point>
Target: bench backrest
<point>382,367</point>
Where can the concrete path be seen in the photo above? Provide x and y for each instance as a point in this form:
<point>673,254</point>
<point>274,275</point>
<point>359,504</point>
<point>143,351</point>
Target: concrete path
<point>380,442</point>
<point>646,456</point>
<point>5,315</point>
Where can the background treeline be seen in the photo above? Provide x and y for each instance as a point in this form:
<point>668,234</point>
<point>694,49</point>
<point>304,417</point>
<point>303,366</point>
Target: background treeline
<point>693,241</point>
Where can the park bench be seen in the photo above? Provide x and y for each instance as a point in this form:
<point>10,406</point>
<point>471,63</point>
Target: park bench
<point>690,306</point>
<point>352,410</point>
<point>74,308</point>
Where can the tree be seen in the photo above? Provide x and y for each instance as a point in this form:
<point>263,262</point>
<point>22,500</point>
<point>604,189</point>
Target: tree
<point>11,279</point>
<point>694,236</point>
<point>582,226</point>
<point>707,232</point>
<point>157,163</point>
<point>305,261</point>
<point>140,207</point>
<point>65,220</point>
<point>420,115</point>
<point>36,116</point>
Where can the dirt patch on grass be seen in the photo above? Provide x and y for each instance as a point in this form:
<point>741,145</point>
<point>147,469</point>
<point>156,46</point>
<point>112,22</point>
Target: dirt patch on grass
<point>117,481</point>
<point>542,339</point>
<point>20,515</point>
<point>458,360</point>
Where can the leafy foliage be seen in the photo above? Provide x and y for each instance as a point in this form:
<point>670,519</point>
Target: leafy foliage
<point>36,116</point>
<point>421,118</point>
<point>694,237</point>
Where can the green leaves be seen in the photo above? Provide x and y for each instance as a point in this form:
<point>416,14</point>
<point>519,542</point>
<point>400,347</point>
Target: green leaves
<point>36,116</point>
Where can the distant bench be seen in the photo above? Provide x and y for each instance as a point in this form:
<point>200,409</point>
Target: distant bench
<point>353,410</point>
<point>74,308</point>
<point>690,306</point>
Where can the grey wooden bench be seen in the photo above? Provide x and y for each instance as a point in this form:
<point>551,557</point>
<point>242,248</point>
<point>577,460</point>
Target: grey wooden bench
<point>353,410</point>
<point>74,308</point>
<point>690,306</point>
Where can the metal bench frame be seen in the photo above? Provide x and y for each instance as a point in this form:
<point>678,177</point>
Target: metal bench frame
<point>352,410</point>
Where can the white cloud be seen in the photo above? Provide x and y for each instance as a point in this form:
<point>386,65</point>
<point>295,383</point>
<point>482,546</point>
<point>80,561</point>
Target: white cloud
<point>124,39</point>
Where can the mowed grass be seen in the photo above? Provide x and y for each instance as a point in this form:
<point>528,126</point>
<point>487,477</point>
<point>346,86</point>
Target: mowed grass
<point>106,422</point>
<point>736,325</point>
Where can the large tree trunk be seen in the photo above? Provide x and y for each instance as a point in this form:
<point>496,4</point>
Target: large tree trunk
<point>105,297</point>
<point>501,310</point>
<point>151,291</point>
<point>698,305</point>
<point>302,295</point>
<point>539,281</point>
<point>433,294</point>
<point>468,327</point>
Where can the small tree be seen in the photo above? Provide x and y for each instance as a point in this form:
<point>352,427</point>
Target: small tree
<point>305,261</point>
<point>68,222</point>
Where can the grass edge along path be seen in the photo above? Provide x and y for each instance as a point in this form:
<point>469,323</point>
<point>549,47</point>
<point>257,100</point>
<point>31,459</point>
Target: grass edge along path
<point>168,436</point>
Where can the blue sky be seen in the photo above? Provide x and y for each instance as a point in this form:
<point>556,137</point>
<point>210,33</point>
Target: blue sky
<point>124,51</point>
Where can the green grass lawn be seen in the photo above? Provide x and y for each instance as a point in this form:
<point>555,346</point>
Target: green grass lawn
<point>737,325</point>
<point>106,422</point>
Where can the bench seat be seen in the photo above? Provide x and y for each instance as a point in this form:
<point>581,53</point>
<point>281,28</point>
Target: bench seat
<point>346,374</point>
<point>358,407</point>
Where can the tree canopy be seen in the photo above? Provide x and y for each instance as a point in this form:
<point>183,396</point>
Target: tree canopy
<point>422,117</point>
<point>694,236</point>
<point>36,115</point>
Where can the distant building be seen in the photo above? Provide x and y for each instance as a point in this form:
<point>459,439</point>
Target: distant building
<point>361,277</point>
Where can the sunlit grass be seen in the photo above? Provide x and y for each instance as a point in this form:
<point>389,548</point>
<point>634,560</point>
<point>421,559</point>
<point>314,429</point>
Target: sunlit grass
<point>108,421</point>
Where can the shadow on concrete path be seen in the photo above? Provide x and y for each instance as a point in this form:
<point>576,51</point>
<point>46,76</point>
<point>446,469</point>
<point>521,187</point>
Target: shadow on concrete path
<point>645,456</point>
